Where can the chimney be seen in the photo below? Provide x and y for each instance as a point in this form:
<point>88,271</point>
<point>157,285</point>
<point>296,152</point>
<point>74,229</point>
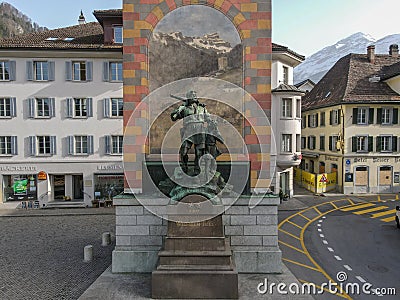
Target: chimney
<point>371,53</point>
<point>81,19</point>
<point>394,50</point>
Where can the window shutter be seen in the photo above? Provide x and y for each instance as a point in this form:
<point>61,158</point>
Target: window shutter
<point>70,141</point>
<point>331,117</point>
<point>308,142</point>
<point>68,71</point>
<point>52,70</point>
<point>52,107</point>
<point>355,111</point>
<point>107,104</point>
<point>106,71</point>
<point>395,116</point>
<point>371,116</point>
<point>316,120</point>
<point>12,70</point>
<point>13,107</point>
<point>108,144</point>
<point>370,144</point>
<point>70,108</point>
<point>14,145</point>
<point>379,116</point>
<point>31,107</point>
<point>89,71</point>
<point>354,144</point>
<point>90,144</point>
<point>29,70</point>
<point>309,120</point>
<point>339,116</point>
<point>378,144</point>
<point>89,107</point>
<point>394,143</point>
<point>330,143</point>
<point>32,145</point>
<point>53,145</point>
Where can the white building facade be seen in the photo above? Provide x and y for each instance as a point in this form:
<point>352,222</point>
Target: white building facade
<point>61,110</point>
<point>285,117</point>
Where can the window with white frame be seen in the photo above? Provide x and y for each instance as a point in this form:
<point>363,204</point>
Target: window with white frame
<point>41,107</point>
<point>303,142</point>
<point>322,119</point>
<point>112,71</point>
<point>285,75</point>
<point>7,70</point>
<point>304,121</point>
<point>362,143</point>
<point>362,115</point>
<point>286,108</point>
<point>7,107</point>
<point>80,145</point>
<point>298,142</point>
<point>79,71</point>
<point>113,107</point>
<point>386,116</point>
<point>42,145</point>
<point>333,143</point>
<point>386,143</point>
<point>286,144</point>
<point>334,117</point>
<point>298,108</point>
<point>311,142</point>
<point>114,144</point>
<point>118,34</point>
<point>79,107</point>
<point>313,120</point>
<point>40,70</point>
<point>8,145</point>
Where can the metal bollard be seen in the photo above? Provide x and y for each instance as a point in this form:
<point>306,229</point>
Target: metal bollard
<point>106,239</point>
<point>88,253</point>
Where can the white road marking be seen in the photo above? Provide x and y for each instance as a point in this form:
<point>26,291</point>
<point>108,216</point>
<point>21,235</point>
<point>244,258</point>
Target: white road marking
<point>323,217</point>
<point>320,221</point>
<point>330,249</point>
<point>319,225</point>
<point>325,242</point>
<point>321,235</point>
<point>361,279</point>
<point>393,200</point>
<point>347,267</point>
<point>337,257</point>
<point>319,230</point>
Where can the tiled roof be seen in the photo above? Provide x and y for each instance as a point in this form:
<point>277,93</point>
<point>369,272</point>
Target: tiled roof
<point>85,36</point>
<point>353,79</point>
<point>280,48</point>
<point>391,71</point>
<point>109,12</point>
<point>287,88</point>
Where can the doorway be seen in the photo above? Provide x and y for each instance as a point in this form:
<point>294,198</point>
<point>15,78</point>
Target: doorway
<point>385,179</point>
<point>77,183</point>
<point>361,180</point>
<point>59,187</point>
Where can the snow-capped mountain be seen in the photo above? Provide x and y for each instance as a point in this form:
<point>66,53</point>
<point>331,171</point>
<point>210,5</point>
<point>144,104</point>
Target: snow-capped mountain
<point>209,42</point>
<point>316,65</point>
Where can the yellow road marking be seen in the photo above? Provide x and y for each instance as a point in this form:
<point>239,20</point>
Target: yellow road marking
<point>290,246</point>
<point>390,219</point>
<point>288,233</point>
<point>379,198</point>
<point>304,217</point>
<point>397,196</point>
<point>325,289</point>
<point>351,201</point>
<point>384,213</point>
<point>370,210</point>
<point>357,207</point>
<point>333,204</point>
<point>294,224</point>
<point>300,264</point>
<point>316,209</point>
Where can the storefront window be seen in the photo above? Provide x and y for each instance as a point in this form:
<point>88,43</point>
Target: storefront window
<point>20,187</point>
<point>108,185</point>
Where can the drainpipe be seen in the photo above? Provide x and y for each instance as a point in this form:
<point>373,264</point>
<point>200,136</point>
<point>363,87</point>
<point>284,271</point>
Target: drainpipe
<point>343,139</point>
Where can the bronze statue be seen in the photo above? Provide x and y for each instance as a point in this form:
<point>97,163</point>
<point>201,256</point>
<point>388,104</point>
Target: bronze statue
<point>194,132</point>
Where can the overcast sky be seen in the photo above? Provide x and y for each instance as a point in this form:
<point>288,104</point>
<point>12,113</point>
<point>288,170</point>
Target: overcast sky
<point>305,26</point>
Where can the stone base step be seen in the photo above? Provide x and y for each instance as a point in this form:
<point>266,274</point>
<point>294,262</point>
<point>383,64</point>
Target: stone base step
<point>67,204</point>
<point>196,267</point>
<point>195,243</point>
<point>195,284</point>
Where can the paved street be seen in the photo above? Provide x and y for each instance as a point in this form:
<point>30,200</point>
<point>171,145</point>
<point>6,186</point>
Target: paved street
<point>354,235</point>
<point>41,257</point>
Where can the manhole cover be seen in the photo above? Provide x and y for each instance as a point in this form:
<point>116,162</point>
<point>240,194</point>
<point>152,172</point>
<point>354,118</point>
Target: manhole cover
<point>378,269</point>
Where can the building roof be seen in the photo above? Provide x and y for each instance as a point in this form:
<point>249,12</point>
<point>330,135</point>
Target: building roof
<point>304,82</point>
<point>88,36</point>
<point>391,71</point>
<point>280,48</point>
<point>353,79</point>
<point>287,88</point>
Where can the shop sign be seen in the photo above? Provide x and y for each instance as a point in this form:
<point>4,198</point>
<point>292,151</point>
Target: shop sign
<point>20,186</point>
<point>17,168</point>
<point>42,175</point>
<point>348,177</point>
<point>332,158</point>
<point>396,177</point>
<point>110,167</point>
